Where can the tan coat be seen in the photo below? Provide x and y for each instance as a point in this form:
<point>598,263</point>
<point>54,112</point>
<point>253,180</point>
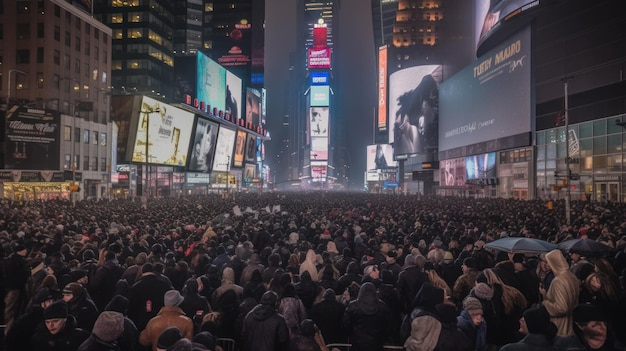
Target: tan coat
<point>562,296</point>
<point>169,316</point>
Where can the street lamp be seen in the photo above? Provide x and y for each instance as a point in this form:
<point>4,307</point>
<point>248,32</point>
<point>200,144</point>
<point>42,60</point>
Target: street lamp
<point>9,84</point>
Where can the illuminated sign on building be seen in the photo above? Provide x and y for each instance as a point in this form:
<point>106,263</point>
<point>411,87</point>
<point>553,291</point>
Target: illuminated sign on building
<point>382,88</point>
<point>319,58</point>
<point>320,95</point>
<point>319,78</point>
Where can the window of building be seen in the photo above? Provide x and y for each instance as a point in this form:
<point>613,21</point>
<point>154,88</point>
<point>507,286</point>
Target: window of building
<point>40,55</point>
<point>103,117</point>
<point>87,48</point>
<point>1,31</point>
<point>77,23</point>
<point>76,134</point>
<point>87,28</point>
<point>23,7</point>
<point>96,53</point>
<point>23,31</point>
<point>105,56</point>
<point>104,38</point>
<point>94,164</point>
<point>103,163</point>
<point>66,61</point>
<point>135,33</point>
<point>40,80</point>
<point>86,69</point>
<point>67,162</point>
<point>57,33</point>
<point>57,57</point>
<point>77,44</point>
<point>117,18</point>
<point>77,162</point>
<point>57,10</point>
<point>86,163</point>
<point>103,138</point>
<point>94,139</point>
<point>118,34</point>
<point>68,18</point>
<point>67,133</point>
<point>40,30</point>
<point>77,66</point>
<point>86,136</point>
<point>68,39</point>
<point>56,80</point>
<point>96,34</point>
<point>22,56</point>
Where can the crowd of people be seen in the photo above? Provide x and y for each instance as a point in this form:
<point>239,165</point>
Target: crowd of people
<point>300,271</point>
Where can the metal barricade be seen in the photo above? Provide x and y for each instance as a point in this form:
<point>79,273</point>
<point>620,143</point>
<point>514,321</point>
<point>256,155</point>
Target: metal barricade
<point>226,344</point>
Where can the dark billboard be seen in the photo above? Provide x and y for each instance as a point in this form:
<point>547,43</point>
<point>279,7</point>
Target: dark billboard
<point>202,149</point>
<point>32,139</point>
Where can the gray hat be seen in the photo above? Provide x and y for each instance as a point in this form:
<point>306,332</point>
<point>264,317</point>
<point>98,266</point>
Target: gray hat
<point>109,326</point>
<point>172,298</point>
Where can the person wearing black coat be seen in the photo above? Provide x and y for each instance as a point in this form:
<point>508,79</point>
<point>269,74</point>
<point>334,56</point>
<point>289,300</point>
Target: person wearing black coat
<point>105,279</point>
<point>367,320</point>
<point>25,326</point>
<point>410,281</point>
<point>342,262</point>
<point>80,306</point>
<point>16,274</point>
<point>107,329</point>
<point>353,274</point>
<point>306,289</point>
<point>328,314</point>
<point>146,297</point>
<point>194,305</point>
<point>129,340</point>
<point>264,329</point>
<point>388,293</point>
<point>61,334</point>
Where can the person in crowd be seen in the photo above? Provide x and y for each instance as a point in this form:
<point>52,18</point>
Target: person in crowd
<point>58,332</point>
<point>451,337</point>
<point>169,315</point>
<point>129,340</point>
<point>310,265</point>
<point>367,320</point>
<point>228,283</point>
<point>104,281</point>
<point>292,308</point>
<point>410,281</point>
<point>254,263</point>
<point>472,324</point>
<point>307,338</point>
<point>352,275</point>
<point>539,333</point>
<point>146,297</point>
<point>194,305</point>
<point>388,293</point>
<point>562,296</point>
<point>16,274</point>
<point>80,305</point>
<point>264,329</point>
<point>591,331</point>
<point>25,326</point>
<point>466,281</point>
<point>307,290</point>
<point>328,314</point>
<point>106,330</point>
<point>421,326</point>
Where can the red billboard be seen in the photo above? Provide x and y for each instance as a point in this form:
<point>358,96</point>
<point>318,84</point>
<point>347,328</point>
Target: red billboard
<point>319,58</point>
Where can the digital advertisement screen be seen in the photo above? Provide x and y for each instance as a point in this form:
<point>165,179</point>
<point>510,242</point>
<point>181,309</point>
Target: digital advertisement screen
<point>320,95</point>
<point>413,108</point>
<point>251,148</point>
<point>240,148</point>
<point>318,171</point>
<point>318,118</point>
<point>203,146</point>
<point>491,14</point>
<point>224,149</point>
<point>235,48</point>
<point>380,156</point>
<point>32,139</point>
<point>319,78</point>
<point>319,148</point>
<point>234,94</point>
<point>490,99</point>
<point>480,166</point>
<point>253,106</point>
<point>382,88</point>
<point>249,172</point>
<point>319,58</point>
<point>263,106</point>
<point>168,131</point>
<point>452,172</point>
<point>211,82</point>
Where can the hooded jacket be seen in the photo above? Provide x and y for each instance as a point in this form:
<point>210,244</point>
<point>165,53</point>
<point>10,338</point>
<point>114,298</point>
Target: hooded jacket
<point>562,296</point>
<point>264,329</point>
<point>367,320</point>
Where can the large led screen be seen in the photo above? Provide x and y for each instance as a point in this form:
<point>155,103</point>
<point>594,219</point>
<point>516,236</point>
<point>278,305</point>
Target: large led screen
<point>491,14</point>
<point>234,94</point>
<point>168,131</point>
<point>480,166</point>
<point>318,121</point>
<point>382,88</point>
<point>319,148</point>
<point>380,156</point>
<point>490,99</point>
<point>211,82</point>
<point>452,172</point>
<point>203,146</point>
<point>320,95</point>
<point>32,139</point>
<point>253,106</point>
<point>318,171</point>
<point>224,149</point>
<point>413,108</point>
<point>240,148</point>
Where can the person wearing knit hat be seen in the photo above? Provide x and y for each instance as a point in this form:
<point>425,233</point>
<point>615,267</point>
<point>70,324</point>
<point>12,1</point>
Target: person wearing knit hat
<point>27,324</point>
<point>168,337</point>
<point>465,282</point>
<point>170,315</point>
<point>80,305</point>
<point>60,330</point>
<point>108,328</point>
<point>540,332</point>
<point>471,322</point>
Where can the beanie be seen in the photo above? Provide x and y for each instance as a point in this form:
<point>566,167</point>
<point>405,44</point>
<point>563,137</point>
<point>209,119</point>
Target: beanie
<point>483,291</point>
<point>206,339</point>
<point>77,274</point>
<point>537,320</point>
<point>308,328</point>
<point>470,262</point>
<point>168,337</point>
<point>44,294</point>
<point>109,326</point>
<point>472,304</point>
<point>269,298</point>
<point>58,309</point>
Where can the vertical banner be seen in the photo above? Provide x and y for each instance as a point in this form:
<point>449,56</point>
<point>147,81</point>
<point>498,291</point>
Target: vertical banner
<point>382,88</point>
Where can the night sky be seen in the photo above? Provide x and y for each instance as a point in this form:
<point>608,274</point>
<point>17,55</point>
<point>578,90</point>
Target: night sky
<point>355,71</point>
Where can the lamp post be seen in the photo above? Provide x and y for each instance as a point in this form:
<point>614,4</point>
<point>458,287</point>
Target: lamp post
<point>147,110</point>
<point>568,192</point>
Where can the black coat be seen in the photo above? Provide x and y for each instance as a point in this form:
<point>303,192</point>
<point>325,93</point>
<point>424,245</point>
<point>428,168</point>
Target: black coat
<point>148,288</point>
<point>366,320</point>
<point>265,330</point>
<point>84,310</point>
<point>409,283</point>
<point>23,329</point>
<point>105,282</point>
<point>68,339</point>
<point>327,315</point>
<point>94,344</point>
<point>16,273</point>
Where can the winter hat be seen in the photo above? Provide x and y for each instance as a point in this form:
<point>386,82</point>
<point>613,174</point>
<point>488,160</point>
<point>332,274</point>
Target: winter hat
<point>172,298</point>
<point>77,274</point>
<point>269,298</point>
<point>206,339</point>
<point>118,303</point>
<point>44,294</point>
<point>447,313</point>
<point>447,256</point>
<point>168,337</point>
<point>483,291</point>
<point>587,312</point>
<point>472,304</point>
<point>109,326</point>
<point>518,258</point>
<point>73,288</point>
<point>58,309</point>
<point>537,320</point>
<point>308,328</point>
<point>470,262</point>
<point>19,247</point>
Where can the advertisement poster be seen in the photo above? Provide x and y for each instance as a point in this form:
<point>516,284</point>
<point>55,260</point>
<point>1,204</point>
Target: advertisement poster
<point>251,148</point>
<point>203,146</point>
<point>240,148</point>
<point>224,150</point>
<point>319,121</point>
<point>32,139</point>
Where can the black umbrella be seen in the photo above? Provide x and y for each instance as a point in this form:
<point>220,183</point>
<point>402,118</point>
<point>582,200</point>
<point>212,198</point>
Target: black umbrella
<point>521,245</point>
<point>585,247</point>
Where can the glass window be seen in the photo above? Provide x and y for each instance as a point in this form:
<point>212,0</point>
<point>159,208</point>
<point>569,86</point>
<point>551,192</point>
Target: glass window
<point>94,165</point>
<point>76,162</point>
<point>22,56</point>
<point>599,145</point>
<point>599,127</point>
<point>40,80</point>
<point>103,139</point>
<point>40,30</point>
<point>86,136</point>
<point>77,44</point>
<point>68,39</point>
<point>67,162</point>
<point>86,163</point>
<point>614,144</point>
<point>541,138</point>
<point>94,139</point>
<point>135,33</point>
<point>23,31</point>
<point>40,55</point>
<point>57,33</point>
<point>57,57</point>
<point>67,133</point>
<point>614,163</point>
<point>118,34</point>
<point>103,163</point>
<point>551,151</point>
<point>586,147</point>
<point>117,18</point>
<point>541,152</point>
<point>585,130</point>
<point>599,164</point>
<point>613,127</point>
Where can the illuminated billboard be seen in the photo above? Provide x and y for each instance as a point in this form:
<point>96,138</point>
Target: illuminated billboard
<point>493,14</point>
<point>319,58</point>
<point>319,78</point>
<point>240,148</point>
<point>234,93</point>
<point>452,172</point>
<point>490,101</point>
<point>318,118</point>
<point>413,107</point>
<point>251,148</point>
<point>249,172</point>
<point>318,171</point>
<point>211,82</point>
<point>320,95</point>
<point>319,148</point>
<point>203,146</point>
<point>253,106</point>
<point>168,131</point>
<point>380,156</point>
<point>224,149</point>
<point>32,139</point>
<point>382,88</point>
<point>481,166</point>
<point>235,48</point>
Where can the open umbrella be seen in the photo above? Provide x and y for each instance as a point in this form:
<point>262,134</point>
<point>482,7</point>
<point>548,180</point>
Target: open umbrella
<point>585,247</point>
<point>521,245</point>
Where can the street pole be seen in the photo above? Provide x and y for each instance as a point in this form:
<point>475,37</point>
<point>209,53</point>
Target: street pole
<point>227,174</point>
<point>147,173</point>
<point>568,193</point>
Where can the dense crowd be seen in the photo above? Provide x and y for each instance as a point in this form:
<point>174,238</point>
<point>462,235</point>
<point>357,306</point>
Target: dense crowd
<point>300,271</point>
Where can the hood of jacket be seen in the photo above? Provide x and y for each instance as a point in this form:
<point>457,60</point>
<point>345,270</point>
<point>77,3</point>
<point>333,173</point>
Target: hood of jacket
<point>557,262</point>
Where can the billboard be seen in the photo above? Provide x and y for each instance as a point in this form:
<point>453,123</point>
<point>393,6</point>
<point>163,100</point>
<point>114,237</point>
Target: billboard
<point>320,95</point>
<point>380,156</point>
<point>32,139</point>
<point>253,106</point>
<point>318,118</point>
<point>224,149</point>
<point>481,166</point>
<point>167,130</point>
<point>319,148</point>
<point>211,82</point>
<point>249,172</point>
<point>318,171</point>
<point>235,48</point>
<point>234,93</point>
<point>492,14</point>
<point>452,172</point>
<point>320,78</point>
<point>240,148</point>
<point>414,106</point>
<point>382,88</point>
<point>490,100</point>
<point>318,58</point>
<point>203,145</point>
<point>251,148</point>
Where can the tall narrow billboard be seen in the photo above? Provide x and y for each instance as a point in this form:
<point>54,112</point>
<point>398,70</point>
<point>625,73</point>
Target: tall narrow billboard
<point>203,147</point>
<point>224,149</point>
<point>240,148</point>
<point>382,89</point>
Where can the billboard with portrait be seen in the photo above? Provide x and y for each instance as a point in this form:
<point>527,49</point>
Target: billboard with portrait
<point>224,149</point>
<point>319,148</point>
<point>489,101</point>
<point>32,139</point>
<point>380,156</point>
<point>318,121</point>
<point>234,94</point>
<point>452,172</point>
<point>202,149</point>
<point>481,166</point>
<point>253,106</point>
<point>168,131</point>
<point>249,172</point>
<point>240,148</point>
<point>211,82</point>
<point>414,109</point>
<point>251,148</point>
